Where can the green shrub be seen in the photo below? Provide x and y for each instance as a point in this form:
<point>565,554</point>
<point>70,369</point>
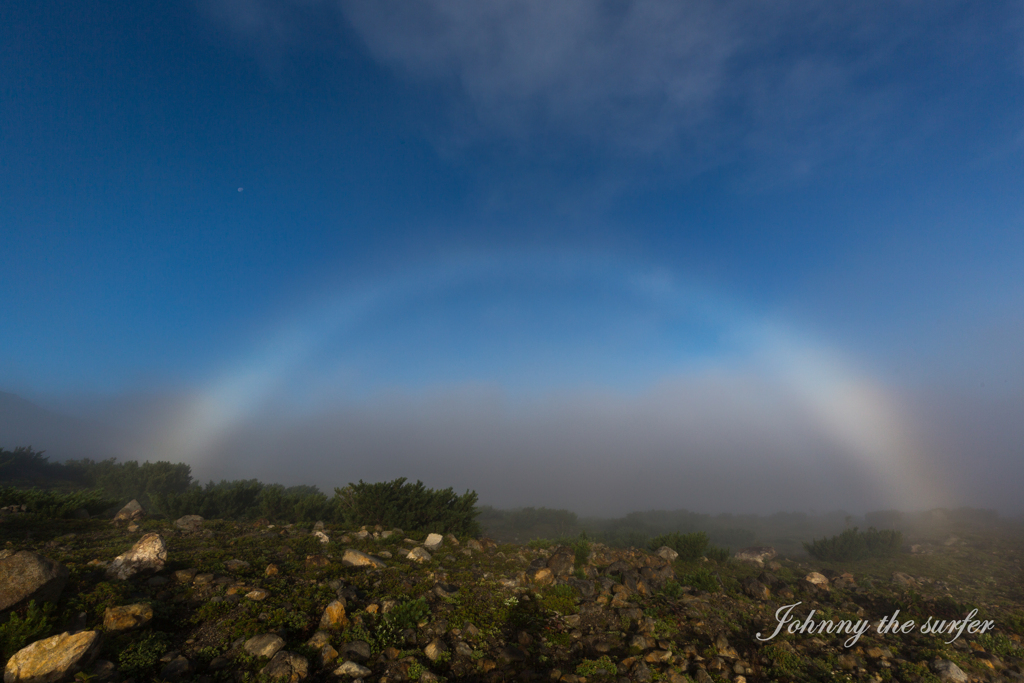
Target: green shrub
<point>672,590</point>
<point>142,655</point>
<point>20,630</point>
<point>703,579</point>
<point>407,615</point>
<point>689,546</point>
<point>600,668</point>
<point>412,507</point>
<point>719,555</point>
<point>856,545</point>
<point>55,504</point>
<point>560,599</point>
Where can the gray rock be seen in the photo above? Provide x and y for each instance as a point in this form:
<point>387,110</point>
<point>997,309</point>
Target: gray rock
<point>265,645</point>
<point>288,666</point>
<point>177,669</point>
<point>189,523</point>
<point>901,579</point>
<point>666,553</point>
<point>435,649</point>
<point>148,554</point>
<point>130,512</point>
<point>357,649</point>
<point>948,671</point>
<point>817,580</point>
<point>561,562</point>
<point>433,542</point>
<point>104,671</point>
<point>756,554</point>
<point>28,576</point>
<point>351,669</point>
<point>756,589</point>
<point>419,554</point>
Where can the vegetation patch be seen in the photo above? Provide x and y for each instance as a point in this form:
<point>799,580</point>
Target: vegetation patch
<point>856,545</point>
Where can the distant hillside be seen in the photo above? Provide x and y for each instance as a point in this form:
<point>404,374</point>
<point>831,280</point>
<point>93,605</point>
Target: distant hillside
<point>23,423</point>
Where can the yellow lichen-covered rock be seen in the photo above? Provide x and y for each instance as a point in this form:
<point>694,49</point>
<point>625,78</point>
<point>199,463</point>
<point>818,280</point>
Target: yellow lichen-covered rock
<point>52,659</point>
<point>127,617</point>
<point>334,616</point>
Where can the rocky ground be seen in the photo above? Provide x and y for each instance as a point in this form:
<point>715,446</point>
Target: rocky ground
<point>146,600</point>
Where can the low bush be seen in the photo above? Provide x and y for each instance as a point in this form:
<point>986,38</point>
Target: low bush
<point>20,630</point>
<point>856,545</point>
<point>412,507</point>
<point>55,504</point>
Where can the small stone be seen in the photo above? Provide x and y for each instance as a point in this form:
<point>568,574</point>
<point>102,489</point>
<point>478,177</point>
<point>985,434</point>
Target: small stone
<point>543,577</point>
<point>176,669</point>
<point>435,649</point>
<point>258,594</point>
<point>901,579</point>
<point>288,666</point>
<point>189,523</point>
<point>948,671</point>
<point>319,639</point>
<point>334,617</point>
<point>322,537</point>
<point>355,558</point>
<point>265,645</point>
<point>350,668</point>
<point>127,617</point>
<point>756,554</point>
<point>357,649</point>
<point>130,512</point>
<point>236,565</point>
<point>271,570</point>
<point>667,553</point>
<point>756,589</point>
<point>433,542</point>
<point>419,554</point>
<point>184,575</point>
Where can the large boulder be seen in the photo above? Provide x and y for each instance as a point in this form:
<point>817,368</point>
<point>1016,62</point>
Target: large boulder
<point>53,659</point>
<point>131,512</point>
<point>28,576</point>
<point>148,555</point>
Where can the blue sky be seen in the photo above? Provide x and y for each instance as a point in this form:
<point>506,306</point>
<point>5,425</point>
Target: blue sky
<point>281,216</point>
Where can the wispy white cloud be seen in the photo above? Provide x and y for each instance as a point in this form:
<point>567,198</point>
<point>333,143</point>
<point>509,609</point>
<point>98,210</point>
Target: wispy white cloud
<point>699,82</point>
